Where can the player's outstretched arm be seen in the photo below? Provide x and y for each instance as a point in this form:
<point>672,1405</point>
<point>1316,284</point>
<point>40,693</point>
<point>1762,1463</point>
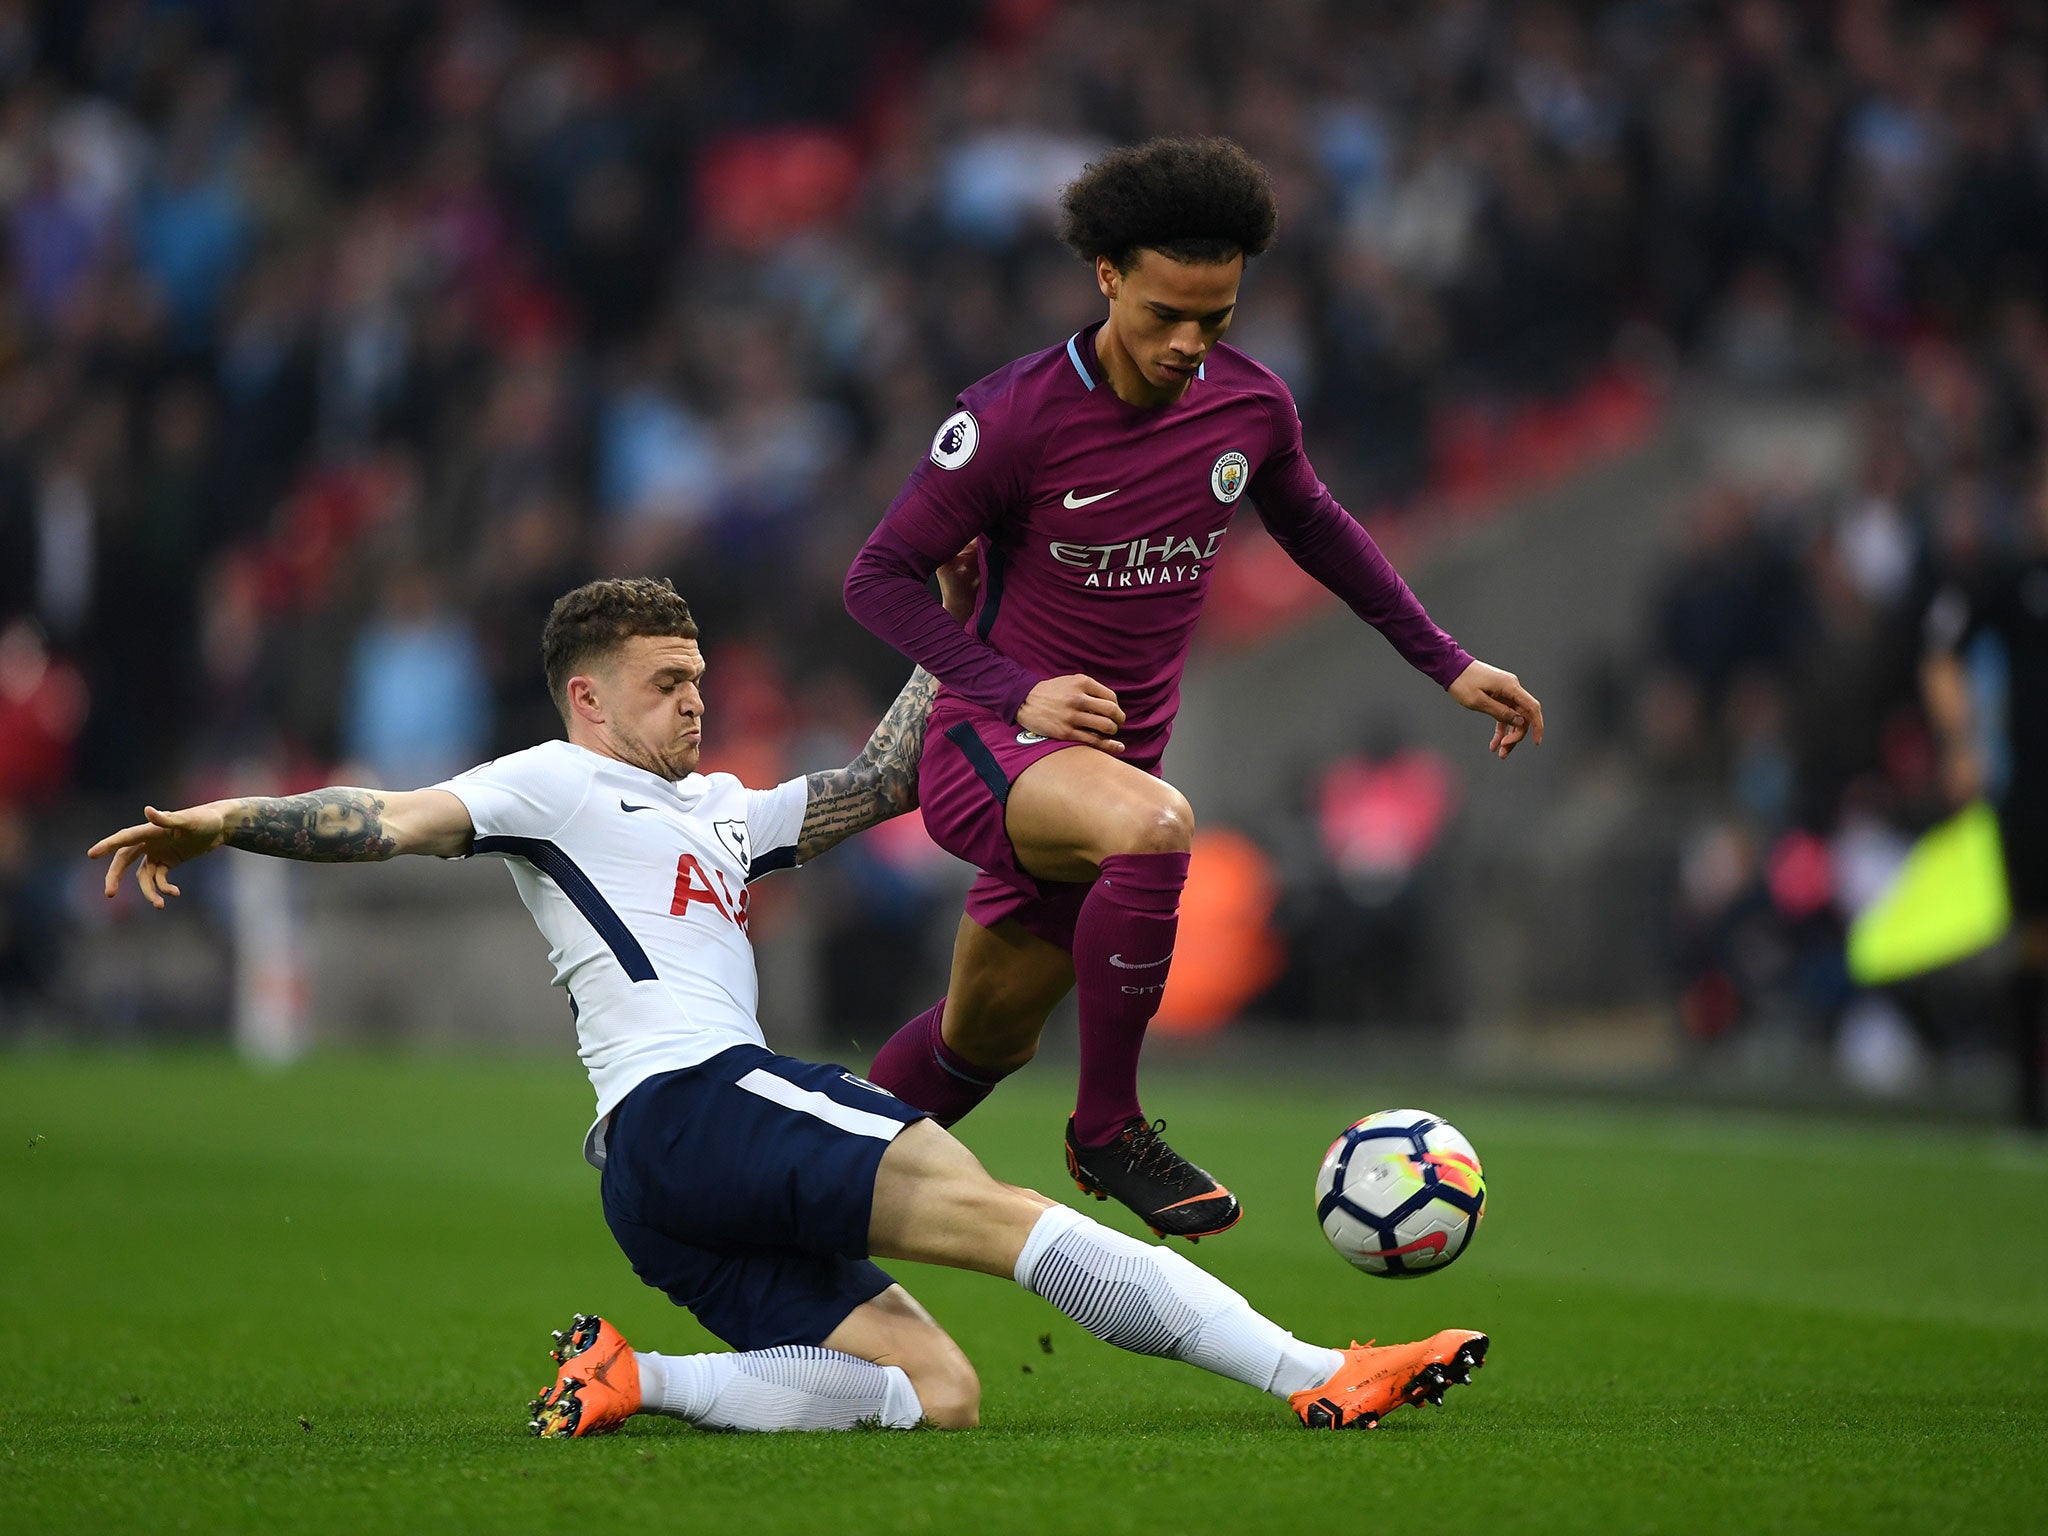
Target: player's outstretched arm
<point>339,825</point>
<point>879,784</point>
<point>1516,713</point>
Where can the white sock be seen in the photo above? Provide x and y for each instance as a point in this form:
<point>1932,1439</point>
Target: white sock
<point>1152,1301</point>
<point>794,1387</point>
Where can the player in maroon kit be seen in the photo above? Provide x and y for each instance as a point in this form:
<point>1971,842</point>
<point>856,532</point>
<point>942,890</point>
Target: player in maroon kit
<point>1099,479</point>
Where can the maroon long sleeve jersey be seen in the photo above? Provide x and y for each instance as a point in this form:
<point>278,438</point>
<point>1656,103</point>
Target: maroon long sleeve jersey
<point>1099,524</point>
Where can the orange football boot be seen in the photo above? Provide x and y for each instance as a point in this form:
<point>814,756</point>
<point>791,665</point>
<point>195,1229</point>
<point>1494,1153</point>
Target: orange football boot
<point>598,1387</point>
<point>1371,1383</point>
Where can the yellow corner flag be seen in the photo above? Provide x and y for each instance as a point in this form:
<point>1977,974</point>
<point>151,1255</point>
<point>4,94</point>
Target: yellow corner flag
<point>1949,902</point>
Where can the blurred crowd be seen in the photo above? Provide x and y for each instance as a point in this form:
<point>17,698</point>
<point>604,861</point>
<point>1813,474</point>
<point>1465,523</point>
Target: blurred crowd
<point>339,338</point>
<point>1787,723</point>
<point>1788,720</point>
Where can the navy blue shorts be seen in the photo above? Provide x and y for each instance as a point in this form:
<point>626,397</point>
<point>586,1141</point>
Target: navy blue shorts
<point>742,1188</point>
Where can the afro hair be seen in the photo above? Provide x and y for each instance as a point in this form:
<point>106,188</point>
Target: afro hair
<point>1193,199</point>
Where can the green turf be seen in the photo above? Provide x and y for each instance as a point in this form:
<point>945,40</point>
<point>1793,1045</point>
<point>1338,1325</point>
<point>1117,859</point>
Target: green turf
<point>319,1300</point>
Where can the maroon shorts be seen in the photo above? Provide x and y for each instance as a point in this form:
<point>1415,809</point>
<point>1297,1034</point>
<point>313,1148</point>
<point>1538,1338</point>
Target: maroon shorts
<point>971,759</point>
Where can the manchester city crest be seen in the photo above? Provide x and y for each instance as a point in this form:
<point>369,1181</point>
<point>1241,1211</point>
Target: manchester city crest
<point>1228,477</point>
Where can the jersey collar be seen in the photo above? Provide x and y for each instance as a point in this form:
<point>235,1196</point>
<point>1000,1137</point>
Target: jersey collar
<point>685,788</point>
<point>1077,349</point>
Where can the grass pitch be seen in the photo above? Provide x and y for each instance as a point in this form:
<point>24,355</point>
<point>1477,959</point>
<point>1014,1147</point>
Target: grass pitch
<point>319,1301</point>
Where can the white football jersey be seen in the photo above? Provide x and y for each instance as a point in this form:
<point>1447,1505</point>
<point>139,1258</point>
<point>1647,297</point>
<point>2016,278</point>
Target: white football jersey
<point>640,885</point>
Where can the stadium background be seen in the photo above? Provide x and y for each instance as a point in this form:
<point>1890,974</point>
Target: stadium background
<point>1676,352</point>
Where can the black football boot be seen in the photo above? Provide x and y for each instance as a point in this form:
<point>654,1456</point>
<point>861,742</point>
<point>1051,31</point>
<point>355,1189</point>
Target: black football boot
<point>1170,1194</point>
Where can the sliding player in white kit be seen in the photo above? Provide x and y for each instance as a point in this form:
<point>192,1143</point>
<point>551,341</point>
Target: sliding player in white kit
<point>750,1187</point>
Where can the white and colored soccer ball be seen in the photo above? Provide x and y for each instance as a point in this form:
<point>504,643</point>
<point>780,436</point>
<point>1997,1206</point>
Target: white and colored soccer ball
<point>1400,1193</point>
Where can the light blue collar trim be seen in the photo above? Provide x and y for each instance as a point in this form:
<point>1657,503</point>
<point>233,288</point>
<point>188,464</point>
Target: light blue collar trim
<point>1074,356</point>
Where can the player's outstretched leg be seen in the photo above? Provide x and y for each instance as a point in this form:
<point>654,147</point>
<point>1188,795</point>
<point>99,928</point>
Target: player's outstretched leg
<point>604,1381</point>
<point>1151,1301</point>
<point>935,1203</point>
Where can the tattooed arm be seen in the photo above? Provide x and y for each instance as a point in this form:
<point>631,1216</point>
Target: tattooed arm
<point>880,783</point>
<point>328,826</point>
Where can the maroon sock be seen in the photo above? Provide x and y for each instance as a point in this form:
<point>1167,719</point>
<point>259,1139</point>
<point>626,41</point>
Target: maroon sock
<point>1122,944</point>
<point>923,1071</point>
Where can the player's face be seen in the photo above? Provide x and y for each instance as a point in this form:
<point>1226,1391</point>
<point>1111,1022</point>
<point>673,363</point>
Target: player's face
<point>653,711</point>
<point>1165,315</point>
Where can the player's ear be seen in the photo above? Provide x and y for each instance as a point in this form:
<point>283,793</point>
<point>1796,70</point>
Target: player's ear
<point>584,702</point>
<point>1107,277</point>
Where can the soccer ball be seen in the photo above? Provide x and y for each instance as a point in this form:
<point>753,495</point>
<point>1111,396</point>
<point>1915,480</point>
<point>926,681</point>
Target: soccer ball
<point>1399,1194</point>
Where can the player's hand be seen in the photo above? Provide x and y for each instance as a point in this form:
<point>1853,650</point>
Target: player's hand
<point>960,584</point>
<point>158,846</point>
<point>1490,691</point>
<point>1073,708</point>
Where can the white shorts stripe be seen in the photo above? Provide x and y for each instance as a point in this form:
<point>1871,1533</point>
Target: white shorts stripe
<point>780,1089</point>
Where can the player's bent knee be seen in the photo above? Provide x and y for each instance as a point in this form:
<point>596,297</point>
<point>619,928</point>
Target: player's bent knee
<point>949,1392</point>
<point>1166,825</point>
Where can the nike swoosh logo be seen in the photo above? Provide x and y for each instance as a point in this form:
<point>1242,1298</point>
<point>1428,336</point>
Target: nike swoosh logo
<point>1143,965</point>
<point>601,1371</point>
<point>1074,501</point>
<point>625,807</point>
<point>1218,1193</point>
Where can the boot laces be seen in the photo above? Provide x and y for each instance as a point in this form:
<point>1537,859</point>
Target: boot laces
<point>1151,1156</point>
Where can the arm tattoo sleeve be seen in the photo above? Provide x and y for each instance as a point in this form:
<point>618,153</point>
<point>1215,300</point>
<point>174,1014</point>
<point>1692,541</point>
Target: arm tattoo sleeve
<point>880,783</point>
<point>328,826</point>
